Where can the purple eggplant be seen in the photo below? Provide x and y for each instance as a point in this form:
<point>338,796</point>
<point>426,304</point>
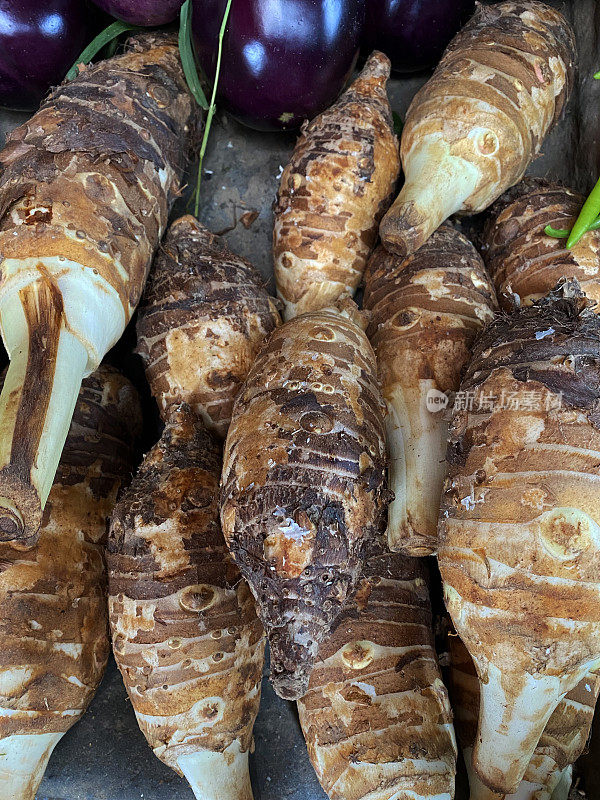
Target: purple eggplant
<point>142,12</point>
<point>39,41</point>
<point>413,33</point>
<point>283,60</point>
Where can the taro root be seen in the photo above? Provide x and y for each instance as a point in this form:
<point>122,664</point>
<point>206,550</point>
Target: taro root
<point>426,310</point>
<point>476,125</point>
<point>53,615</point>
<point>185,633</point>
<point>202,319</point>
<point>376,716</point>
<point>86,186</point>
<point>333,192</point>
<point>524,262</point>
<point>303,481</point>
<point>519,548</point>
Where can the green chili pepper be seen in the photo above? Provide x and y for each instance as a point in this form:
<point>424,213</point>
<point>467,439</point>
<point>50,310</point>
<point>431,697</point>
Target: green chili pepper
<point>588,215</point>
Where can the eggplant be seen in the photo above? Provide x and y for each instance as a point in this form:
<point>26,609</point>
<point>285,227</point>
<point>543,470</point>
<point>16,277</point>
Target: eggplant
<point>413,33</point>
<point>142,12</point>
<point>39,41</point>
<point>283,61</point>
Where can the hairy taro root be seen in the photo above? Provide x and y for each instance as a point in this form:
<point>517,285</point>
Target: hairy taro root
<point>203,317</point>
<point>476,125</point>
<point>333,193</point>
<point>53,616</point>
<point>185,633</point>
<point>524,262</point>
<point>425,312</point>
<point>303,481</point>
<point>376,716</point>
<point>519,548</point>
<point>548,775</point>
<point>86,186</point>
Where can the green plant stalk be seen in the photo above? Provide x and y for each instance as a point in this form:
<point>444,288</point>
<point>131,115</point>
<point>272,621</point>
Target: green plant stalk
<point>109,34</point>
<point>186,52</point>
<point>588,215</point>
<point>211,109</point>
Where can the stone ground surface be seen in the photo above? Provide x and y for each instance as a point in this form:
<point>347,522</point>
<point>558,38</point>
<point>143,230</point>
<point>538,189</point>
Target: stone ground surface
<point>105,757</point>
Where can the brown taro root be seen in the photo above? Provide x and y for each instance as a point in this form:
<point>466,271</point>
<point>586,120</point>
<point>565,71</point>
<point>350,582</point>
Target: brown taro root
<point>202,319</point>
<point>86,187</point>
<point>53,615</point>
<point>476,125</point>
<point>425,313</point>
<point>338,183</point>
<point>519,548</point>
<point>376,716</point>
<point>525,263</point>
<point>303,481</point>
<point>185,632</point>
<point>548,775</point>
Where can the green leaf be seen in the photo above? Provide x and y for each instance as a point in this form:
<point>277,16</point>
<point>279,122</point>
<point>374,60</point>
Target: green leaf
<point>114,30</point>
<point>597,76</point>
<point>186,51</point>
<point>398,123</point>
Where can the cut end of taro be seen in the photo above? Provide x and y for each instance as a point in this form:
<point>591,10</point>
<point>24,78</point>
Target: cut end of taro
<point>437,185</point>
<point>218,775</point>
<point>513,713</point>
<point>23,761</point>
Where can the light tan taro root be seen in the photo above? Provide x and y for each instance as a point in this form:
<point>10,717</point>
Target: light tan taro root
<point>425,313</point>
<point>525,263</point>
<point>548,775</point>
<point>185,633</point>
<point>303,481</point>
<point>86,186</point>
<point>335,189</point>
<point>202,319</point>
<point>376,716</point>
<point>53,615</point>
<point>519,547</point>
<point>474,128</point>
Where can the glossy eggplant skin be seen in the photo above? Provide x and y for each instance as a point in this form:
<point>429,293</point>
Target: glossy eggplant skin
<point>283,61</point>
<point>413,33</point>
<point>142,12</point>
<point>39,42</point>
